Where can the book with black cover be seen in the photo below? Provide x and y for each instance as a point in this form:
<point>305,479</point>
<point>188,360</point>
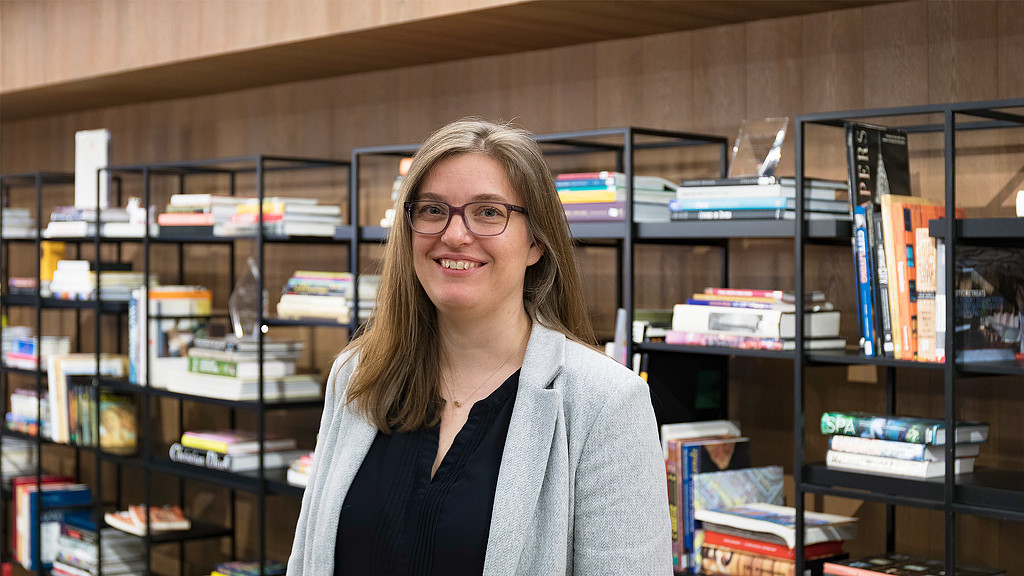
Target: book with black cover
<point>878,162</point>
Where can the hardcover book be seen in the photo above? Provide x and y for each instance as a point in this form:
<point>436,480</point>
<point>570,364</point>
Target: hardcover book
<point>868,464</point>
<point>780,521</point>
<point>901,450</point>
<point>900,428</point>
<point>234,441</point>
<point>878,163</point>
<point>989,303</point>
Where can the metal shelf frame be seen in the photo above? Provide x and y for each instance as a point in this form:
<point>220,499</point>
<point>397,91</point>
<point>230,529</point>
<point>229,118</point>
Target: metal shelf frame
<point>951,494</point>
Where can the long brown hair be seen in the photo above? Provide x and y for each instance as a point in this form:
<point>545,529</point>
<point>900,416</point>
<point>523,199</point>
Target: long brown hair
<point>400,356</point>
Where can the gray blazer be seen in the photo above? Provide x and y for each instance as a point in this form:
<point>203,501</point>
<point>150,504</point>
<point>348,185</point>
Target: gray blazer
<point>581,489</point>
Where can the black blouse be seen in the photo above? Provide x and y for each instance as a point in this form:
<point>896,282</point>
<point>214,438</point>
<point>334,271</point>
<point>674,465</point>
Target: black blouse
<point>396,520</point>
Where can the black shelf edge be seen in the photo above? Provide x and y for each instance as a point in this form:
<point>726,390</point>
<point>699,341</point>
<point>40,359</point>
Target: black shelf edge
<point>374,233</point>
<point>917,493</point>
<point>816,229</point>
<point>248,481</point>
<point>1006,368</point>
<point>235,404</point>
<point>996,490</point>
<point>106,306</point>
<point>277,482</point>
<point>715,350</point>
<point>198,531</point>
<point>852,357</point>
<point>309,322</point>
<point>982,230</point>
<point>598,230</point>
<point>21,371</point>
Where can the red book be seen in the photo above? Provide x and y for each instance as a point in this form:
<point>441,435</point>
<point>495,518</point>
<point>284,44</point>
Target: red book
<point>820,550</point>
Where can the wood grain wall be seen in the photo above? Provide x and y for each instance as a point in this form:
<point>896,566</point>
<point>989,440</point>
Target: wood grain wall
<point>706,81</point>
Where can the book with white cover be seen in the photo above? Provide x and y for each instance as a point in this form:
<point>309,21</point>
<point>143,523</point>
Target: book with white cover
<point>297,386</point>
<point>901,450</point>
<point>92,151</point>
<point>690,430</point>
<point>780,521</point>
<point>866,464</point>
<point>752,322</point>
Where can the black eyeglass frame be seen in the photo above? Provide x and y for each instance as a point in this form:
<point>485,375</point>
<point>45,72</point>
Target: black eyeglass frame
<point>461,211</point>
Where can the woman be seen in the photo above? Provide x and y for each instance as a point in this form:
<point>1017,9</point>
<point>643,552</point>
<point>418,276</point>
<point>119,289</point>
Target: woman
<point>470,429</point>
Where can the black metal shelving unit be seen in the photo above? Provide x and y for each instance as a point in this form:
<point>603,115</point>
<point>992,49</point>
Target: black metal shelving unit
<point>261,482</point>
<point>994,493</point>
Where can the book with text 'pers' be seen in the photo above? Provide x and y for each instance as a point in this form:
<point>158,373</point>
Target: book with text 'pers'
<point>900,428</point>
<point>895,563</point>
<point>878,162</point>
<point>780,521</point>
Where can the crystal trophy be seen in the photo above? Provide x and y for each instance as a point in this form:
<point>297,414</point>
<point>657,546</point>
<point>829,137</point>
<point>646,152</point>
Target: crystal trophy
<point>758,147</point>
<point>243,302</point>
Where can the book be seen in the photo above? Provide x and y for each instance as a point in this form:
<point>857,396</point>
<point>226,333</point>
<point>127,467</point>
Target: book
<point>239,368</point>
<point>989,303</point>
<point>894,449</point>
<point>234,344</point>
<point>763,548</point>
<point>162,518</point>
<point>779,520</point>
<point>927,277</point>
<point>769,214</point>
<point>751,322</point>
<point>698,338</point>
<point>118,422</point>
<point>898,564</point>
<point>692,430</point>
<point>234,442</point>
<point>165,328</point>
<point>740,203</point>
<point>295,386</point>
<point>731,562</point>
<point>48,508</point>
<point>883,315</point>
<point>868,464</point>
<point>60,368</point>
<point>615,211</point>
<point>729,488</point>
<point>865,296</point>
<point>772,295</point>
<point>900,428</point>
<point>878,162</point>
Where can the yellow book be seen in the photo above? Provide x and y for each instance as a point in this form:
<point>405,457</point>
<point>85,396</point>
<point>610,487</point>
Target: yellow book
<point>578,196</point>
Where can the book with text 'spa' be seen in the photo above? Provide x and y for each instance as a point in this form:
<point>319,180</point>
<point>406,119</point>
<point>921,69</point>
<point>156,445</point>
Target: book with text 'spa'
<point>895,563</point>
<point>900,428</point>
<point>780,521</point>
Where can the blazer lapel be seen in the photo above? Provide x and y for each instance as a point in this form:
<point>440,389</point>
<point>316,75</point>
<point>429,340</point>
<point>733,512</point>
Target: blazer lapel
<point>526,456</point>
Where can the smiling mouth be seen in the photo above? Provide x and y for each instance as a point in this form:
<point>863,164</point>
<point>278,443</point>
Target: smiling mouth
<point>457,264</point>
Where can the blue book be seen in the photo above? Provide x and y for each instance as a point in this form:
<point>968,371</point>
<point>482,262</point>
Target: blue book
<point>865,281</point>
<point>50,510</point>
<point>587,184</point>
<point>701,456</point>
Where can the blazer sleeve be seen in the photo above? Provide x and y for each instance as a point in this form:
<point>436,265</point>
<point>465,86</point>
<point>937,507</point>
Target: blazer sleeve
<point>304,530</point>
<point>621,519</point>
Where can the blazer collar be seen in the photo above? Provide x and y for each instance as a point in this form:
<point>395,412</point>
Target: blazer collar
<point>524,463</point>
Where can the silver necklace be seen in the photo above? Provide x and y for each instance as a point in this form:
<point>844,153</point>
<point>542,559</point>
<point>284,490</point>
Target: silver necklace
<point>459,403</point>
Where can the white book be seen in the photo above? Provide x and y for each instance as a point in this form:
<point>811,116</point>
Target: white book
<point>866,464</point>
<point>92,149</point>
<point>299,386</point>
<point>901,450</point>
<point>688,430</point>
<point>780,521</point>
<point>752,322</point>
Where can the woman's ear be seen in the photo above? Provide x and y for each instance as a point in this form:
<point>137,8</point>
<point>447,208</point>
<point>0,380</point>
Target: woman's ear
<point>536,251</point>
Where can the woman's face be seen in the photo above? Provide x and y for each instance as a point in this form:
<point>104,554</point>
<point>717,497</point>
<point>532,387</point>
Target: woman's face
<point>464,274</point>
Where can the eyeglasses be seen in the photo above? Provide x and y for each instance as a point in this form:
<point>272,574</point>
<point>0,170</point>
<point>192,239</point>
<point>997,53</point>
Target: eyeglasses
<point>480,218</point>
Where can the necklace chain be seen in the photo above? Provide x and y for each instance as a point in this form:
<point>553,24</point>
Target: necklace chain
<point>459,403</point>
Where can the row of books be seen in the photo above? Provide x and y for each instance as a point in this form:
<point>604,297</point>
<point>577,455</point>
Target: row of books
<point>601,196</point>
<point>43,503</point>
<point>753,319</point>
<point>326,295</point>
<point>221,215</point>
<point>234,450</point>
<point>76,280</point>
<point>899,445</point>
<point>22,348</point>
<point>758,198</point>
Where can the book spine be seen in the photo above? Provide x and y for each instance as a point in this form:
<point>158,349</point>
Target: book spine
<point>698,301</point>
<point>770,214</point>
<point>882,427</point>
<point>576,196</point>
<point>868,463</point>
<point>731,562</point>
<point>864,301</point>
<point>882,288</point>
<point>691,467</point>
<point>906,272</point>
<point>201,458</point>
<point>747,293</point>
<point>674,473</point>
<point>940,300</point>
<point>734,203</point>
<point>876,447</point>
<point>741,321</point>
<point>739,181</point>
<point>590,176</point>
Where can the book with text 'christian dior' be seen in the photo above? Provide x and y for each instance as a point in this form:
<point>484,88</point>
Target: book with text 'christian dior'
<point>884,466</point>
<point>895,563</point>
<point>878,163</point>
<point>213,460</point>
<point>900,428</point>
<point>780,522</point>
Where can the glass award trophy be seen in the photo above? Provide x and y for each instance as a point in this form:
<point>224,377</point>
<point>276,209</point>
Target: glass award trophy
<point>758,147</point>
<point>243,302</point>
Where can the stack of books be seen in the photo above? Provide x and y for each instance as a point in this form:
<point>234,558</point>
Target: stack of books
<point>74,222</point>
<point>233,450</point>
<point>18,223</point>
<point>760,538</point>
<point>24,412</point>
<point>753,320</point>
<point>228,368</point>
<point>161,519</point>
<point>75,280</point>
<point>284,217</point>
<point>79,554</point>
<point>897,563</point>
<point>694,448</point>
<point>196,214</point>
<point>758,198</point>
<point>38,510</point>
<point>898,445</point>
<point>326,296</point>
<point>22,349</point>
<point>68,411</point>
<point>601,197</point>
<point>298,470</point>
